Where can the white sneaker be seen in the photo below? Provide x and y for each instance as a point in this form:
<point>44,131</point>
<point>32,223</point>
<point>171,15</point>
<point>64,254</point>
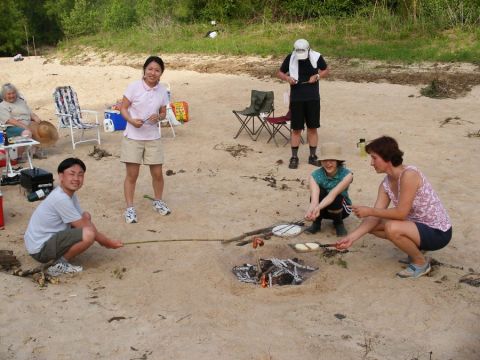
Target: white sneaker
<point>161,207</point>
<point>63,267</point>
<point>130,215</point>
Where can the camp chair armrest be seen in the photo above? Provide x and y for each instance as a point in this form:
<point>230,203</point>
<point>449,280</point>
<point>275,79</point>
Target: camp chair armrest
<point>91,112</point>
<point>60,114</point>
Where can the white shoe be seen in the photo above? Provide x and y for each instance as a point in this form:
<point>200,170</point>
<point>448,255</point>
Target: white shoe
<point>130,215</point>
<point>63,267</point>
<point>161,207</point>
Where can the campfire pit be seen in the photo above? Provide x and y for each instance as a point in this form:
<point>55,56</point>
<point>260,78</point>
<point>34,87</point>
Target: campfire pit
<point>270,272</point>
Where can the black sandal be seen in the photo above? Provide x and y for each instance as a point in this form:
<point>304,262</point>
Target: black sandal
<point>293,162</point>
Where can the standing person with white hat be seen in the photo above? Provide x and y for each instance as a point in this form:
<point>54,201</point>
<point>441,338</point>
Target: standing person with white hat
<point>302,69</point>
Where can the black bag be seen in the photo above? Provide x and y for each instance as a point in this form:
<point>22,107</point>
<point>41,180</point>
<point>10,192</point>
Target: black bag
<point>36,179</point>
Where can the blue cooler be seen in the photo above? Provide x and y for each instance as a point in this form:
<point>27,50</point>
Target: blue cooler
<point>119,123</point>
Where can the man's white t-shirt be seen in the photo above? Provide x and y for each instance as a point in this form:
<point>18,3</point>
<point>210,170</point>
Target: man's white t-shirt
<point>53,215</point>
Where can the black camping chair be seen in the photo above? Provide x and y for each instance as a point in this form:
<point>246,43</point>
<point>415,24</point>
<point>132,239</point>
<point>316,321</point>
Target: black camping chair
<point>261,103</point>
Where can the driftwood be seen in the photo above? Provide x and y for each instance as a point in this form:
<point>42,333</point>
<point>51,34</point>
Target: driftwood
<point>36,270</point>
<point>8,260</point>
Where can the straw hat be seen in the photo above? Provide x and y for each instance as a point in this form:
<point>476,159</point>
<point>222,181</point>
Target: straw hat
<point>44,132</point>
<point>331,151</point>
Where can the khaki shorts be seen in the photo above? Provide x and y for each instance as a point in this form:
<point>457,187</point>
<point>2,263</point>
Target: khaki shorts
<point>58,245</point>
<point>147,152</point>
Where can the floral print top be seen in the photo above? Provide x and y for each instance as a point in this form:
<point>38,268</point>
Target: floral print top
<point>426,208</point>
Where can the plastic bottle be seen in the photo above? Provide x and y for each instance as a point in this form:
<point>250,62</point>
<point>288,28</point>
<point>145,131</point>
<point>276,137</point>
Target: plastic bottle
<point>108,125</point>
<point>38,195</point>
<point>2,222</point>
<point>361,146</point>
<point>5,138</point>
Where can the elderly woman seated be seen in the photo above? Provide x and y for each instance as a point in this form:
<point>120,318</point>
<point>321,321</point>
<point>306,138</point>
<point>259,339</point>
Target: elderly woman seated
<point>15,112</point>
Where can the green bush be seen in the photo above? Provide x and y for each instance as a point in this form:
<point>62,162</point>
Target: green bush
<point>82,19</point>
<point>120,14</point>
<point>12,33</point>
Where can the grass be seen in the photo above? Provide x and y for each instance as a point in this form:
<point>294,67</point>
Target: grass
<point>383,39</point>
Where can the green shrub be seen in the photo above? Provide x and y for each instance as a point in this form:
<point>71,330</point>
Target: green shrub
<point>120,14</point>
<point>82,19</point>
<point>12,34</point>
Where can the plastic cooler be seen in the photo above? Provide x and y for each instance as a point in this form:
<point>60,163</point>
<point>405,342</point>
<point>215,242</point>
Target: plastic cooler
<point>119,123</point>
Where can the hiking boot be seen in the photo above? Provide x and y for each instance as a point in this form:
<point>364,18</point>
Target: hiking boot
<point>293,162</point>
<point>314,228</point>
<point>160,207</point>
<point>130,215</point>
<point>62,266</point>
<point>313,160</point>
<point>340,229</point>
<point>415,271</point>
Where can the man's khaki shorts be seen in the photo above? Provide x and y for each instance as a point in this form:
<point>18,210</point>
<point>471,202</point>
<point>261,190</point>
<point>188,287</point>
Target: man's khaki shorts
<point>147,152</point>
<point>58,245</point>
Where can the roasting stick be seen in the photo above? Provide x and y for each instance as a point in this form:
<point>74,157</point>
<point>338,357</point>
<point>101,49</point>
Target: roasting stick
<point>171,240</point>
<point>287,227</point>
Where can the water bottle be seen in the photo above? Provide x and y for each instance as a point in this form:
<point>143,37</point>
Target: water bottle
<point>38,195</point>
<point>361,146</point>
<point>2,222</point>
<point>108,125</point>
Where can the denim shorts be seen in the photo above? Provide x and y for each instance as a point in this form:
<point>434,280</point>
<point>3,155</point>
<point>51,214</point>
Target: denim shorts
<point>433,239</point>
<point>13,131</point>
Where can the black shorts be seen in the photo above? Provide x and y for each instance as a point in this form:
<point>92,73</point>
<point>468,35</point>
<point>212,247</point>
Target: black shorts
<point>433,239</point>
<point>58,244</point>
<point>305,112</point>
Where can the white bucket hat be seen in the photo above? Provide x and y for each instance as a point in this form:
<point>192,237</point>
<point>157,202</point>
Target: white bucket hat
<point>331,151</point>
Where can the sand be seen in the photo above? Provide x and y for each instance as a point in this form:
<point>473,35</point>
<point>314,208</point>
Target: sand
<point>179,300</point>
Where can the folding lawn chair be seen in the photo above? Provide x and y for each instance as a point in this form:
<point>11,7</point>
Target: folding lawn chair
<point>261,106</point>
<point>280,125</point>
<point>72,117</point>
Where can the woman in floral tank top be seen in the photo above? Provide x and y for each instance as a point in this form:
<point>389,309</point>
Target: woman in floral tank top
<point>417,221</point>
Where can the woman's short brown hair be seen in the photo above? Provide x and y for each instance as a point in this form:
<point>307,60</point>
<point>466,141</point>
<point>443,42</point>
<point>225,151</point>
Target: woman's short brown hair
<point>387,148</point>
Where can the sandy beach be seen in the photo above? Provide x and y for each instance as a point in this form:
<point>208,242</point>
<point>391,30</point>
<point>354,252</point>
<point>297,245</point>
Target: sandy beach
<point>180,300</point>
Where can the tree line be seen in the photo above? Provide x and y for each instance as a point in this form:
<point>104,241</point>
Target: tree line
<point>28,24</point>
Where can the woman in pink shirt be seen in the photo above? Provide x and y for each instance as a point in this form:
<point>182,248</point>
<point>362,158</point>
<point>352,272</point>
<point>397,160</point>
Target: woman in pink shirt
<point>143,106</point>
<point>417,221</point>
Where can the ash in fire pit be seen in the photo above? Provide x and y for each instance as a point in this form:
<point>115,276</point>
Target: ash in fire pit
<point>269,272</point>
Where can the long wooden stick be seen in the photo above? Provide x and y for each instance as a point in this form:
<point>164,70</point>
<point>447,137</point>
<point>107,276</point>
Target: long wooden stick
<point>170,240</point>
<point>250,233</point>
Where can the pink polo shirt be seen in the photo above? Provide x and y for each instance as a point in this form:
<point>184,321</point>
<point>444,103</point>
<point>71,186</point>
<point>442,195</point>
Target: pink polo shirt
<point>145,101</point>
